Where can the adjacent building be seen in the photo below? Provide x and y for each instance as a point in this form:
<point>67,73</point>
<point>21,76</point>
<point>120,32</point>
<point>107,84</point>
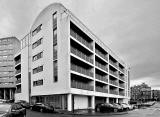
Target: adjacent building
<point>64,64</point>
<point>8,47</point>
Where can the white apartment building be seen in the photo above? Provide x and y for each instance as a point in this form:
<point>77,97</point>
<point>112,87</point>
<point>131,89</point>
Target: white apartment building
<point>64,64</point>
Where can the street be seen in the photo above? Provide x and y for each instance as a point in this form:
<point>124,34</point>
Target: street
<point>153,111</point>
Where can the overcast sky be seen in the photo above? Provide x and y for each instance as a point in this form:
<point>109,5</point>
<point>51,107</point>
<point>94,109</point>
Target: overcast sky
<point>131,28</point>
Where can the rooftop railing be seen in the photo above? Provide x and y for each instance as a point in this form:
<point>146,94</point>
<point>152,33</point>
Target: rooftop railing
<point>81,39</point>
<point>81,70</point>
<point>81,55</point>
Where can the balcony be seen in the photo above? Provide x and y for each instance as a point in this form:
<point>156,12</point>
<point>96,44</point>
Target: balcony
<point>81,70</point>
<point>113,92</point>
<point>18,71</point>
<point>122,70</point>
<point>102,78</point>
<point>113,73</point>
<point>80,85</point>
<point>112,63</point>
<point>100,89</point>
<point>122,77</point>
<point>17,62</point>
<point>113,82</point>
<point>101,66</point>
<point>81,55</point>
<point>18,81</point>
<point>121,85</point>
<point>81,39</point>
<point>122,93</point>
<point>101,54</point>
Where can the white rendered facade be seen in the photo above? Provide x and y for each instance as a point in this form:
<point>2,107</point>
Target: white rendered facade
<point>70,64</point>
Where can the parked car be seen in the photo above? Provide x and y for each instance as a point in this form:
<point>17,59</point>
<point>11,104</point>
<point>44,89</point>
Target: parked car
<point>125,106</point>
<point>42,108</point>
<point>12,110</point>
<point>23,103</point>
<point>106,107</point>
<point>3,101</point>
<point>119,106</point>
<point>130,107</point>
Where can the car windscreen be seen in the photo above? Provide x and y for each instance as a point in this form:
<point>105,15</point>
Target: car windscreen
<point>4,108</point>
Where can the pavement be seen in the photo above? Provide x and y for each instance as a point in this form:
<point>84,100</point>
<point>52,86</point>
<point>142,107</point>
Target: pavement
<point>153,111</point>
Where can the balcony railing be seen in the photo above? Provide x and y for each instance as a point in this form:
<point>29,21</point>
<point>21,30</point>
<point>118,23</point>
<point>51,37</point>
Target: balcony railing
<point>113,82</point>
<point>18,81</point>
<point>101,54</point>
<point>81,39</point>
<point>81,55</point>
<point>101,66</point>
<point>80,85</point>
<point>122,93</point>
<point>100,89</point>
<point>114,64</point>
<point>113,92</point>
<point>17,62</point>
<point>122,70</point>
<point>122,85</point>
<point>102,78</point>
<point>18,71</point>
<point>113,73</point>
<point>121,77</point>
<point>81,70</point>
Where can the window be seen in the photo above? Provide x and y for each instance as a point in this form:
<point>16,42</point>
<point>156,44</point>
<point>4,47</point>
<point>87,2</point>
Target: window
<point>37,30</point>
<point>38,82</point>
<point>37,69</point>
<point>37,43</point>
<point>55,71</point>
<point>37,56</point>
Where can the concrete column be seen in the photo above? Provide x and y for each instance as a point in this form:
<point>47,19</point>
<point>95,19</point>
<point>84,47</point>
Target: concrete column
<point>107,99</point>
<point>69,101</point>
<point>63,103</point>
<point>10,94</point>
<point>4,94</point>
<point>93,102</point>
<point>116,100</point>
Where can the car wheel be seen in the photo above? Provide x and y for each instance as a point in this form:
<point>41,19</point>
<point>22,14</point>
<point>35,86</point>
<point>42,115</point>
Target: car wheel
<point>41,110</point>
<point>115,110</point>
<point>98,109</point>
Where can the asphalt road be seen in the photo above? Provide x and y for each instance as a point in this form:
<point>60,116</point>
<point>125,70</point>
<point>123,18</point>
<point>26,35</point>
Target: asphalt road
<point>153,111</point>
